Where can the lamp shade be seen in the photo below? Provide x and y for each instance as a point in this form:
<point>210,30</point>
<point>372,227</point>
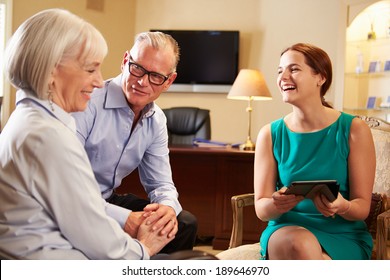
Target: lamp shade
<point>249,84</point>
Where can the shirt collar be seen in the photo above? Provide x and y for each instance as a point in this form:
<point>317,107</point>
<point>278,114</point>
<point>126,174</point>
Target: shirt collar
<point>116,98</point>
<point>51,108</point>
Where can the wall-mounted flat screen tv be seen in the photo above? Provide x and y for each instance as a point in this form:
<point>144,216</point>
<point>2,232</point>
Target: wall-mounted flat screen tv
<point>207,57</point>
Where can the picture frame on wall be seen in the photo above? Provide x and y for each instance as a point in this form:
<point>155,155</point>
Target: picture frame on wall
<point>371,102</point>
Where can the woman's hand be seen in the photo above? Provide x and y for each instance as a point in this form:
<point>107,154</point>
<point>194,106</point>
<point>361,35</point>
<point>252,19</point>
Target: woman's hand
<point>285,202</point>
<point>153,240</point>
<point>329,209</point>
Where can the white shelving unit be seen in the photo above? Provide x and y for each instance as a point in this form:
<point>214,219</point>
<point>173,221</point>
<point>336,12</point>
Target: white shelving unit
<point>359,85</point>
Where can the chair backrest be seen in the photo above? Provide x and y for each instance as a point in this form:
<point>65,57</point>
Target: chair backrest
<point>380,130</point>
<point>186,123</point>
<point>380,202</point>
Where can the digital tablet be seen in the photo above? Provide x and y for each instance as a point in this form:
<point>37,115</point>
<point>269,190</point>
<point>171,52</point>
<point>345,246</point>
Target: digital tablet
<point>309,189</point>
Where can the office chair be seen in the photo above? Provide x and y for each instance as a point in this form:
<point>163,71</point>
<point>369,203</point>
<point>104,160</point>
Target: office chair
<point>186,123</point>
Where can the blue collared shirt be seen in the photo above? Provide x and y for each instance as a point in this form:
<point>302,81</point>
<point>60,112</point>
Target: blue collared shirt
<point>104,129</point>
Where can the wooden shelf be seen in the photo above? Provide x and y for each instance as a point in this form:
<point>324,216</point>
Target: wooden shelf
<point>369,109</point>
<point>358,87</point>
<point>380,74</point>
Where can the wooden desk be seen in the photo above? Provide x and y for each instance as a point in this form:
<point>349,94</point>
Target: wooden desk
<point>206,179</point>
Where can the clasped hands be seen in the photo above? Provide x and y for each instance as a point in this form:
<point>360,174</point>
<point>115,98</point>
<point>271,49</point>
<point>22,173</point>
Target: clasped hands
<point>154,227</point>
<point>157,217</point>
<point>285,202</point>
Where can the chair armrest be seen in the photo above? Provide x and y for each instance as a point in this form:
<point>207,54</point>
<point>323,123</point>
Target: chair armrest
<point>238,203</point>
<point>241,201</point>
<point>382,233</point>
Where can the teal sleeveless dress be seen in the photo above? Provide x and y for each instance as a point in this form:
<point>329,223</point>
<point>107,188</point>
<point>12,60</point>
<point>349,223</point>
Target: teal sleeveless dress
<point>320,155</point>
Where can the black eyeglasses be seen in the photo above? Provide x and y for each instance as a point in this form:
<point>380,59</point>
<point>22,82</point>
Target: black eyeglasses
<point>154,78</point>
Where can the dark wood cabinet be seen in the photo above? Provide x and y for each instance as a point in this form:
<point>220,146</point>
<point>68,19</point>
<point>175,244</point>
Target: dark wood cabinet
<point>206,179</point>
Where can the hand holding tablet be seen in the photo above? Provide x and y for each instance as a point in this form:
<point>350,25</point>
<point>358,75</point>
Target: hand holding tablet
<point>309,189</point>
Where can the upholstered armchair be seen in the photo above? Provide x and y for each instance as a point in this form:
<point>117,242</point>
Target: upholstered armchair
<point>378,221</point>
<point>186,123</point>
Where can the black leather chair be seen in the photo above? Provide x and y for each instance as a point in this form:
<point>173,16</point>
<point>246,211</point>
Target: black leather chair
<point>186,123</point>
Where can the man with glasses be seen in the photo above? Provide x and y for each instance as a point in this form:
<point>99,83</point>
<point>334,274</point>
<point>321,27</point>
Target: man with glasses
<point>123,129</point>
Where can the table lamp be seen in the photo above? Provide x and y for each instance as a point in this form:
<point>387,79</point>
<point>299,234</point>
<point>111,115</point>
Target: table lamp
<point>249,85</point>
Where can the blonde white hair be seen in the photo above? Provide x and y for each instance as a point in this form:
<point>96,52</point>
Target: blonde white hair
<point>45,40</point>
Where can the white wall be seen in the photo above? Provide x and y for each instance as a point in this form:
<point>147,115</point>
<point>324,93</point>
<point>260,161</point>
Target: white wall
<point>266,27</point>
<point>115,21</point>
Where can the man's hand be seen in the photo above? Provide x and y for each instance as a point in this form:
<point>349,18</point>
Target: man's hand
<point>162,219</point>
<point>133,223</point>
<point>153,240</point>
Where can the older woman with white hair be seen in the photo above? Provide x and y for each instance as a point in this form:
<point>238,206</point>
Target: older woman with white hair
<point>51,207</point>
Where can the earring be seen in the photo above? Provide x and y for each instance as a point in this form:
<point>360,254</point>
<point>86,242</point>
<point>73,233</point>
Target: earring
<point>50,99</point>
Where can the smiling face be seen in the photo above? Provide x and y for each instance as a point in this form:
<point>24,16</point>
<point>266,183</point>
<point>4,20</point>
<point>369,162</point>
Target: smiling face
<point>138,90</point>
<point>72,83</point>
<point>296,80</point>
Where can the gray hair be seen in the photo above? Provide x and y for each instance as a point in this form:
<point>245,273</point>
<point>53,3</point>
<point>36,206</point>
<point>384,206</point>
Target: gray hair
<point>160,40</point>
<point>46,40</point>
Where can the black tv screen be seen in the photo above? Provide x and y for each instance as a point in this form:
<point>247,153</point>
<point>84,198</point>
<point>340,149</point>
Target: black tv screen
<point>206,57</point>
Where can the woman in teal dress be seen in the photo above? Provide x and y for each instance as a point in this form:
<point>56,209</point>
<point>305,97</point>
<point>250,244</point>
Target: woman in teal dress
<point>313,142</point>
